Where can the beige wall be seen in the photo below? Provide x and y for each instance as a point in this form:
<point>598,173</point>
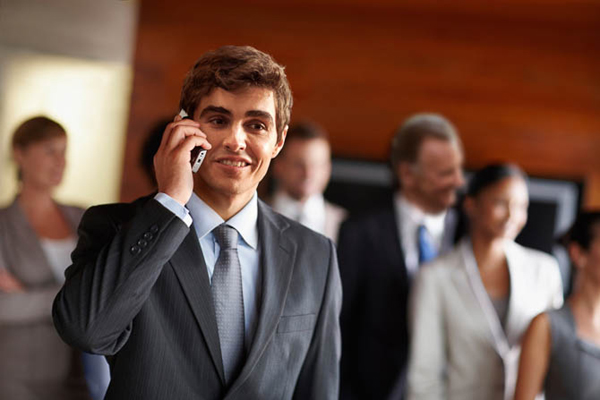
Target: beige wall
<point>69,60</point>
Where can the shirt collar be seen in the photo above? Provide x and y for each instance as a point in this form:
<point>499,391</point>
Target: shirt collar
<point>245,221</point>
<point>433,222</point>
<point>315,202</point>
<point>291,208</point>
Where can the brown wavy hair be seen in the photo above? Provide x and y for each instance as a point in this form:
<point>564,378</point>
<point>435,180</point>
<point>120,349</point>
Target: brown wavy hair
<point>237,67</point>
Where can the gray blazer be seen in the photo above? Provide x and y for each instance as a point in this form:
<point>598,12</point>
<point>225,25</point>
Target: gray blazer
<point>138,291</point>
<point>35,363</point>
<point>459,348</point>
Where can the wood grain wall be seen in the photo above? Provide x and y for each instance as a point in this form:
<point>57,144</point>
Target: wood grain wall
<point>520,80</point>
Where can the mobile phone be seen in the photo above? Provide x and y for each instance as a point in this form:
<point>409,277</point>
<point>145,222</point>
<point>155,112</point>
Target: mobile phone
<point>198,153</point>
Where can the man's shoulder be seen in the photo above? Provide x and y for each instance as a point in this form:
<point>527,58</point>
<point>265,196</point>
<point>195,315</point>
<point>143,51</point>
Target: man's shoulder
<point>117,211</point>
<point>288,227</point>
<point>335,210</point>
<point>375,219</point>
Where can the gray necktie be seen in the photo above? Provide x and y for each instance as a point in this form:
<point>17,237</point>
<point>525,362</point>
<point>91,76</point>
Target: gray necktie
<point>229,303</point>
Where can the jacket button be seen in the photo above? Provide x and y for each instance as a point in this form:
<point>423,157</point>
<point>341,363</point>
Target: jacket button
<point>154,228</point>
<point>135,250</point>
<point>148,236</point>
<point>142,243</point>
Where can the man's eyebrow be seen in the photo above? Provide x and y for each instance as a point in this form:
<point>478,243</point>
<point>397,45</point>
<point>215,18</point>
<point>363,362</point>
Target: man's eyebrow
<point>214,109</point>
<point>260,114</point>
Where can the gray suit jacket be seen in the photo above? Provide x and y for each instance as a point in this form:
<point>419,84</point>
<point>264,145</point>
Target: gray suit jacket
<point>35,363</point>
<point>460,349</point>
<point>138,291</point>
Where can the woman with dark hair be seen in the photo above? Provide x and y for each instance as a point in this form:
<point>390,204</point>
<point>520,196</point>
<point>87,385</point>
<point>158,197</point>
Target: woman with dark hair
<point>561,349</point>
<point>471,306</point>
<point>37,235</point>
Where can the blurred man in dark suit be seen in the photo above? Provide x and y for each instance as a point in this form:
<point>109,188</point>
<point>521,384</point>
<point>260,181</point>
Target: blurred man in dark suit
<point>380,252</point>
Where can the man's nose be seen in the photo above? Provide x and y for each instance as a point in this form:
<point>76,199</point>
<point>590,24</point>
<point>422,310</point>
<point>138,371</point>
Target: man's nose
<point>236,138</point>
<point>459,178</point>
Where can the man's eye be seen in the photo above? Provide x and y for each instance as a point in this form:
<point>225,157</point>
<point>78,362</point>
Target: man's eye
<point>217,121</point>
<point>257,126</point>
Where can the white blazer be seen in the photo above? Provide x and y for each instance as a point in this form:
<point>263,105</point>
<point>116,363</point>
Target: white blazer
<point>459,349</point>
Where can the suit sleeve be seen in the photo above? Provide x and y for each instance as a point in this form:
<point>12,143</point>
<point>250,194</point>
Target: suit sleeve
<point>119,256</point>
<point>319,377</point>
<point>428,347</point>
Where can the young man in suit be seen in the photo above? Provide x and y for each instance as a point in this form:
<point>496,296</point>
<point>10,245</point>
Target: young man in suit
<point>202,291</point>
<point>380,252</point>
<point>302,172</point>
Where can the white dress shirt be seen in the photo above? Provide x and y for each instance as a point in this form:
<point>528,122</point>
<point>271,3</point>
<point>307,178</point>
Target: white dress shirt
<point>245,222</point>
<point>311,213</point>
<point>408,218</point>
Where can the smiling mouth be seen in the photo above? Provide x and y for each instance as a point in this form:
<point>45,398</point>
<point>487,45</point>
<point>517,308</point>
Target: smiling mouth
<point>230,163</point>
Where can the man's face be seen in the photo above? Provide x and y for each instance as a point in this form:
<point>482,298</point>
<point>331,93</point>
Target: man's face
<point>304,167</point>
<point>241,128</point>
<point>432,181</point>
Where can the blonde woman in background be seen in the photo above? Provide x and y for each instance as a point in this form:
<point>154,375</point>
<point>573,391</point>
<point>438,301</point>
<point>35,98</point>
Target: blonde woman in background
<point>37,235</point>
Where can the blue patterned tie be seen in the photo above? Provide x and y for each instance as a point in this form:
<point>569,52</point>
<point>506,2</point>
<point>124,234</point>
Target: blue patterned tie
<point>228,301</point>
<point>427,250</point>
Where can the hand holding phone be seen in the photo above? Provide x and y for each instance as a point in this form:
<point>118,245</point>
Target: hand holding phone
<point>172,167</point>
<point>198,153</point>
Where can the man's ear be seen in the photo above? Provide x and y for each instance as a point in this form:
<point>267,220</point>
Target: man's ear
<point>578,255</point>
<point>405,173</point>
<point>279,144</point>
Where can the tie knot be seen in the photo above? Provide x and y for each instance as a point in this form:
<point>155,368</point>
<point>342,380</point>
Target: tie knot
<point>226,236</point>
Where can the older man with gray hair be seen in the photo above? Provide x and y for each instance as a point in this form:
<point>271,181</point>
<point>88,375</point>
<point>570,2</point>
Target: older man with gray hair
<point>380,252</point>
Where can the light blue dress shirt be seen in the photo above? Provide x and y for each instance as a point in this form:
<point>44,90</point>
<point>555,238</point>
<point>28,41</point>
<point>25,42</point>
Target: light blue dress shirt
<point>204,219</point>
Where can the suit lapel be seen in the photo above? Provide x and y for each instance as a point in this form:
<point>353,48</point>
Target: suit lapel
<point>390,240</point>
<point>190,268</point>
<point>450,227</point>
<point>277,257</point>
<point>497,337</point>
<point>23,237</point>
<point>519,294</point>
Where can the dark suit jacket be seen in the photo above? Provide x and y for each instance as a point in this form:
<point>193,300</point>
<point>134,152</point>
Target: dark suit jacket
<point>374,313</point>
<point>138,291</point>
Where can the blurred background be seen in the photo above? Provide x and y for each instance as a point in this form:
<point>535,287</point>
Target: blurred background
<point>519,79</point>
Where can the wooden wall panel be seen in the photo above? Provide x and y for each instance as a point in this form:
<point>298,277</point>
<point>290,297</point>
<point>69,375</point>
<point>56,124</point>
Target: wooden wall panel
<point>519,80</point>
